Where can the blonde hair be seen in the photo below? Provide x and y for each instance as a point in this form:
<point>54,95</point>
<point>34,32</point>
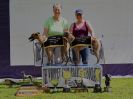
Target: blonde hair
<point>57,5</point>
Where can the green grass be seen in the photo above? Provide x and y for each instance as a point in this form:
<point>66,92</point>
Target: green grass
<point>122,88</point>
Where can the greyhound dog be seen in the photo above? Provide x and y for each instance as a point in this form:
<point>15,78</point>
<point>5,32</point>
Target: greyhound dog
<point>95,43</point>
<point>49,50</point>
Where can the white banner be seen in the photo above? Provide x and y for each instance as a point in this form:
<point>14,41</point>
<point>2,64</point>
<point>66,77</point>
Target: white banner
<point>112,18</point>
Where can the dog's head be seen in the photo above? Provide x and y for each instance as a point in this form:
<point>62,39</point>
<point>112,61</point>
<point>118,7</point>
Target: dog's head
<point>34,36</point>
<point>69,37</point>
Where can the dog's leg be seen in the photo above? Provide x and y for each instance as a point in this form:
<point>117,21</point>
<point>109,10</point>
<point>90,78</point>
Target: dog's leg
<point>64,50</point>
<point>49,55</point>
<point>77,53</point>
<point>96,53</point>
<point>96,48</point>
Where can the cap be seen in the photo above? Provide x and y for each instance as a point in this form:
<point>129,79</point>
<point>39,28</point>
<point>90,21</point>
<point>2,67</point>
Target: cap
<point>78,11</point>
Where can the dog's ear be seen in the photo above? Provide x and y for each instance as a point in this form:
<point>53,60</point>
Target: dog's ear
<point>34,36</point>
<point>38,32</point>
<point>31,38</point>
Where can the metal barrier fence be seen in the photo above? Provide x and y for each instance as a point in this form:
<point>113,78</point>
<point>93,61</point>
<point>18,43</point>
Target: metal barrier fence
<point>90,75</point>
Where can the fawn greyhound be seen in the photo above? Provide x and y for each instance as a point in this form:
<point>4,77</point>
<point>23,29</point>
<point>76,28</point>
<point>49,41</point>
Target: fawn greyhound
<point>95,43</point>
<point>49,50</point>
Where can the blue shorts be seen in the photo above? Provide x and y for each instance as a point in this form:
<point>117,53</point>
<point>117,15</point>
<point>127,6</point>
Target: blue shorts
<point>84,54</point>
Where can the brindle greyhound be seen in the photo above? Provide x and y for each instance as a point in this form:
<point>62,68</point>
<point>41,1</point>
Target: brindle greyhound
<point>49,50</point>
<point>95,43</point>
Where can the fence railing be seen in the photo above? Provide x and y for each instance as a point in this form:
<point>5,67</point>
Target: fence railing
<point>89,74</point>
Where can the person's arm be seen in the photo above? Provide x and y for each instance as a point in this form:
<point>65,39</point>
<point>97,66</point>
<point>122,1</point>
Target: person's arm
<point>45,33</point>
<point>71,28</point>
<point>66,26</point>
<point>66,30</point>
<point>71,33</point>
<point>90,29</point>
<point>44,36</point>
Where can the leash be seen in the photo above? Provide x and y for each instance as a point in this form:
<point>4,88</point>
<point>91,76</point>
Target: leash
<point>69,59</point>
<point>42,46</point>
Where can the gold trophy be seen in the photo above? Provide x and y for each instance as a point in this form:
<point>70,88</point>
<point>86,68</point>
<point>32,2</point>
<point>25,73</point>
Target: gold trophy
<point>79,82</point>
<point>66,76</point>
<point>97,87</point>
<point>80,85</point>
<point>97,73</point>
<point>55,84</point>
<point>82,74</point>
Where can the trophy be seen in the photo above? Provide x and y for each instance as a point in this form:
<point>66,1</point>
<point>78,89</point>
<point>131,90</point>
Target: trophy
<point>82,74</point>
<point>97,87</point>
<point>79,81</point>
<point>55,84</point>
<point>97,73</point>
<point>66,76</point>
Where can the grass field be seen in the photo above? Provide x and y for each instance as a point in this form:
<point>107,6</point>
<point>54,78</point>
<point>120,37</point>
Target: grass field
<point>122,88</point>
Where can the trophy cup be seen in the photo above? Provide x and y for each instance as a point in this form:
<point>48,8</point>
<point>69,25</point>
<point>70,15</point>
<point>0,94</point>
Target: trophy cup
<point>97,73</point>
<point>66,76</point>
<point>97,87</point>
<point>82,74</point>
<point>79,81</point>
<point>55,84</point>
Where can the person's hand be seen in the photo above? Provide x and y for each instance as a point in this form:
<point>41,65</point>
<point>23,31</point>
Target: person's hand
<point>94,37</point>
